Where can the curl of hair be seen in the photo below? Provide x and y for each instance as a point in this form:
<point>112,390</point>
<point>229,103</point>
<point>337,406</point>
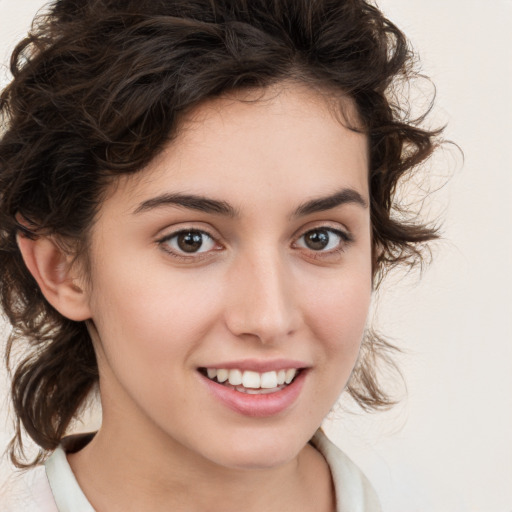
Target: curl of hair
<point>99,89</point>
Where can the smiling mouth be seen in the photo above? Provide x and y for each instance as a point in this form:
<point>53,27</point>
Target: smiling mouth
<point>252,382</point>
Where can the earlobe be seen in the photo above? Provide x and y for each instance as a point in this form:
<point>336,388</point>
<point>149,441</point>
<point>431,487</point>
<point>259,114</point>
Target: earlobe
<point>50,266</point>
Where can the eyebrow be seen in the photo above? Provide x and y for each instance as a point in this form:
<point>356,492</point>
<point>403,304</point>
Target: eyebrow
<point>208,205</point>
<point>321,204</point>
<point>191,201</point>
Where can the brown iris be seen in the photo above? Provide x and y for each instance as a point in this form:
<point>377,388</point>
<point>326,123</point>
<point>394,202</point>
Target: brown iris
<point>317,240</point>
<point>189,241</point>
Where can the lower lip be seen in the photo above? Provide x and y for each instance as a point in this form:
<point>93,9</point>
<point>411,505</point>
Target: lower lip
<point>257,406</point>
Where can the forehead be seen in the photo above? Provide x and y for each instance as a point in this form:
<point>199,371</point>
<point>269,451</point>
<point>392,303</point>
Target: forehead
<point>278,144</point>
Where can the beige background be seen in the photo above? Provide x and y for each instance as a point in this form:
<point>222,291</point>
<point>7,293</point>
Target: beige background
<point>448,446</point>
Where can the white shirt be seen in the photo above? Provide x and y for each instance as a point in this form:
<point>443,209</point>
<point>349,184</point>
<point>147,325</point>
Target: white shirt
<point>53,487</point>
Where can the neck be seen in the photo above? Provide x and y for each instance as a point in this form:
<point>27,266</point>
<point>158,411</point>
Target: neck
<point>146,477</point>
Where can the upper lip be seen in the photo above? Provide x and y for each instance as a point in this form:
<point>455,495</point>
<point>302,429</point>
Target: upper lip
<point>258,365</point>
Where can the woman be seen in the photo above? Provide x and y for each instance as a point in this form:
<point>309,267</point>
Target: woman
<point>197,201</point>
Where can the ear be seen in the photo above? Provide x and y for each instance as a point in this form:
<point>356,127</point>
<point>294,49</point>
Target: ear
<point>51,266</point>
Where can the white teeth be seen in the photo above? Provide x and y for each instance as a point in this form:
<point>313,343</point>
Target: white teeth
<point>251,380</point>
<point>222,375</point>
<point>290,374</point>
<point>235,377</point>
<point>269,380</point>
<point>249,391</point>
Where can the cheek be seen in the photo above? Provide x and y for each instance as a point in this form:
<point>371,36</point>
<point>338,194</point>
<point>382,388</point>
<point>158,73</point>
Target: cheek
<point>337,317</point>
<point>152,313</point>
<point>339,306</point>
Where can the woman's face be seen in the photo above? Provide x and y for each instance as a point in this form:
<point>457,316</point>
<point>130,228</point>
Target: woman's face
<point>243,252</point>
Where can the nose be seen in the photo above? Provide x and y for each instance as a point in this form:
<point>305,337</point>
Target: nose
<point>262,303</point>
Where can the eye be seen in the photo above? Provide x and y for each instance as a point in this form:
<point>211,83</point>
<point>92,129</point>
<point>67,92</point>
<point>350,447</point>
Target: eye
<point>189,241</point>
<point>322,239</point>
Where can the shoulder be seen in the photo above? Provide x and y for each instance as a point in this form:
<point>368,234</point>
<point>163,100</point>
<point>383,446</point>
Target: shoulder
<point>29,491</point>
<point>48,488</point>
<point>354,492</point>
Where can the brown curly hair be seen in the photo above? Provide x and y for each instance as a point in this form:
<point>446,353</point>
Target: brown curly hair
<point>99,88</point>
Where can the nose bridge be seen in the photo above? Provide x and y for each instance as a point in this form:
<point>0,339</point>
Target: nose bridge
<point>262,302</point>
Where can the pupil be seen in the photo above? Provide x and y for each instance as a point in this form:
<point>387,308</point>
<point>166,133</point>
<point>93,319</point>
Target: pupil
<point>317,240</point>
<point>190,241</point>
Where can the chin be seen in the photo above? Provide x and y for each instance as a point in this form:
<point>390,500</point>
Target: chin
<point>260,451</point>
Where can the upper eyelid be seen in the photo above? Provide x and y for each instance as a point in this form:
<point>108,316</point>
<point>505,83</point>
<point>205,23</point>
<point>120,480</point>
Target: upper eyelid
<point>185,230</point>
<point>337,228</point>
<point>165,238</point>
<point>346,237</point>
<point>165,235</point>
<point>183,255</point>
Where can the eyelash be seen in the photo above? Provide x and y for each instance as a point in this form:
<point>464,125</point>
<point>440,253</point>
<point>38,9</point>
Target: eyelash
<point>194,256</point>
<point>345,240</point>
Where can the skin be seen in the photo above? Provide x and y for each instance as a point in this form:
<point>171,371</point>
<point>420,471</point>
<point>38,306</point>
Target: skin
<point>255,291</point>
